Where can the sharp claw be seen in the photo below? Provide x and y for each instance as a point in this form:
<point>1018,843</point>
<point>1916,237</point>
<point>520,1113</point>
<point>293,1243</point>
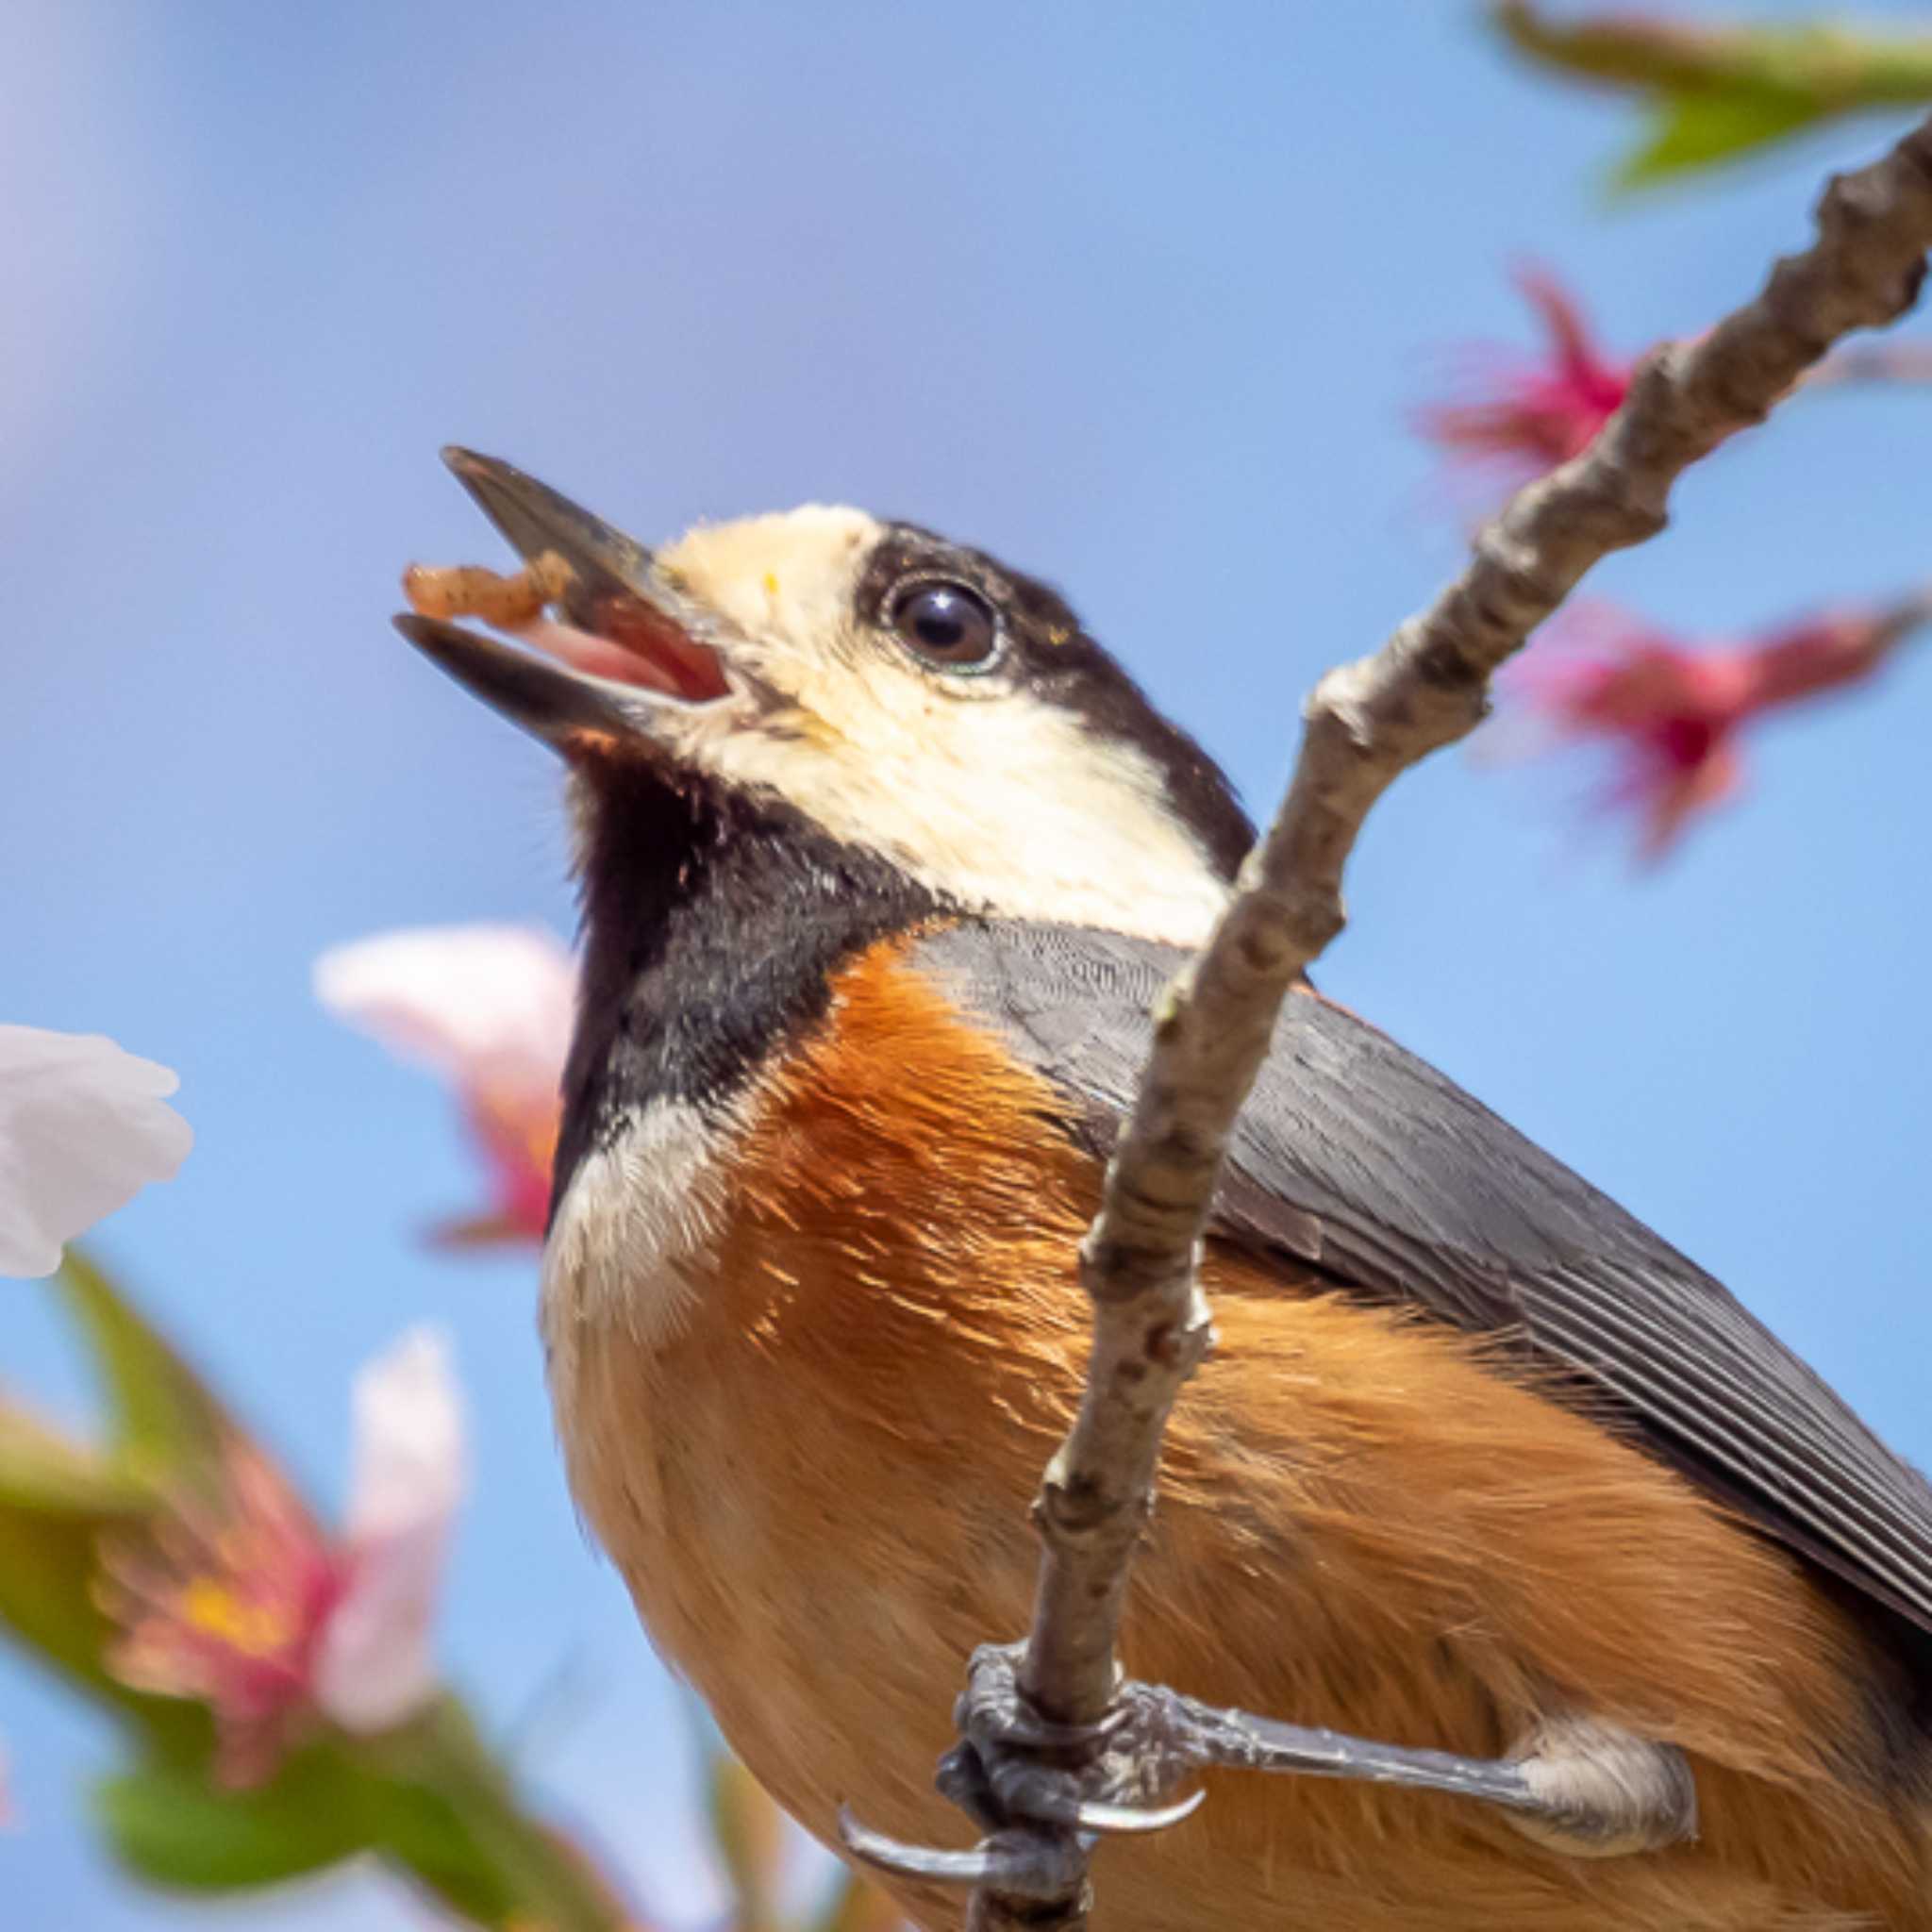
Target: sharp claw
<point>1023,1864</point>
<point>1121,1821</point>
<point>1051,1798</point>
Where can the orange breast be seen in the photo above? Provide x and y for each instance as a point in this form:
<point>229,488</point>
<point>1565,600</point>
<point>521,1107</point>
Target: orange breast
<point>816,1485</point>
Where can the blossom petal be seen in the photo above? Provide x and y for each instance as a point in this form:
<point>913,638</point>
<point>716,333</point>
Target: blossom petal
<point>490,1009</point>
<point>84,1126</point>
<point>223,1595</point>
<point>375,1669</point>
<point>1526,413</point>
<point>468,1001</point>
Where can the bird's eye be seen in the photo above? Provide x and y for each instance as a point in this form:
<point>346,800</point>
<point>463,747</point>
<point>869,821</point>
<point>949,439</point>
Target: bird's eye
<point>947,625</point>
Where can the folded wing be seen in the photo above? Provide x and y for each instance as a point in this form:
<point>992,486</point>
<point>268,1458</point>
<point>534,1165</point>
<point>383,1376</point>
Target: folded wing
<point>1356,1156</point>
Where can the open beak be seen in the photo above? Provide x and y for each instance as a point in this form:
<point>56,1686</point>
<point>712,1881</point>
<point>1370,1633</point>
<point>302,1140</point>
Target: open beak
<point>628,645</point>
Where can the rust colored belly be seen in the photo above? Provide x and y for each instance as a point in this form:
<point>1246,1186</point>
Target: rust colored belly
<point>815,1481</point>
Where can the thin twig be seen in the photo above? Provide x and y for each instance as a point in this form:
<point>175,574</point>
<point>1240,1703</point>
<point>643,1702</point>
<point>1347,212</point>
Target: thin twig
<point>1364,724</point>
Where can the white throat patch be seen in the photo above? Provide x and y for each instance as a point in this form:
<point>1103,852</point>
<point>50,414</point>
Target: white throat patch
<point>635,1214</point>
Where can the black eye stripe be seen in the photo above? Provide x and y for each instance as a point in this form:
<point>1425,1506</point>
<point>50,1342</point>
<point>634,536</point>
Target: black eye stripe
<point>1043,652</point>
<point>946,623</point>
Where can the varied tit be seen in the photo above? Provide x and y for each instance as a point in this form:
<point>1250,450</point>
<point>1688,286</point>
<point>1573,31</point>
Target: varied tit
<point>884,861</point>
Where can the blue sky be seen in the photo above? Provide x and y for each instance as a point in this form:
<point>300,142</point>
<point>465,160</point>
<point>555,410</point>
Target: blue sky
<point>1136,296</point>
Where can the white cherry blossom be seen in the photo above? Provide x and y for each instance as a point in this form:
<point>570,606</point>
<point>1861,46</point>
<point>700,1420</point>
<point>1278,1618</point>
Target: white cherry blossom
<point>84,1126</point>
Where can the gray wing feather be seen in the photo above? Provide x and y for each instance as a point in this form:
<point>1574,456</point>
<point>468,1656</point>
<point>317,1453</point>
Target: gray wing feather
<point>1359,1158</point>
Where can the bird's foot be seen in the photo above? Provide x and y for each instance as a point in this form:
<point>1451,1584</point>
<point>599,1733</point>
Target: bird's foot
<point>1014,1772</point>
<point>1012,1765</point>
<point>1575,1785</point>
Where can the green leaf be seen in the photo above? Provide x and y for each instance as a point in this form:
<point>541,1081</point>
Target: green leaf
<point>449,1813</point>
<point>58,1500</point>
<point>1714,91</point>
<point>419,1799</point>
<point>174,1827</point>
<point>334,1799</point>
<point>1842,67</point>
<point>165,1421</point>
<point>47,1563</point>
<point>49,1559</point>
<point>42,1469</point>
<point>432,1833</point>
<point>1689,131</point>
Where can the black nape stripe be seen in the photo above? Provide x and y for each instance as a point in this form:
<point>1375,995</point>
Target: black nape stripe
<point>713,927</point>
<point>1060,665</point>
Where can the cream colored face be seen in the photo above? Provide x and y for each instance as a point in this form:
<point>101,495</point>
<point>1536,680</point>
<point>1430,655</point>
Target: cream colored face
<point>965,776</point>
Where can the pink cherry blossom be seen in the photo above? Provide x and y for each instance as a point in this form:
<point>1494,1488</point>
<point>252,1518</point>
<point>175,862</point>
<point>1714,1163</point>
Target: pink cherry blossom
<point>1521,414</point>
<point>234,1594</point>
<point>223,1598</point>
<point>1673,715</point>
<point>490,1009</point>
<point>374,1666</point>
<point>84,1126</point>
<point>1525,414</point>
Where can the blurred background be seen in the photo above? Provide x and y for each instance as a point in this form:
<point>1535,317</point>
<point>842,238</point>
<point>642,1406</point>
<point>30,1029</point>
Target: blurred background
<point>1141,298</point>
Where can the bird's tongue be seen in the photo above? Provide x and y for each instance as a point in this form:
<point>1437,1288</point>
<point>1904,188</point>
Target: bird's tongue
<point>613,635</point>
<point>632,643</point>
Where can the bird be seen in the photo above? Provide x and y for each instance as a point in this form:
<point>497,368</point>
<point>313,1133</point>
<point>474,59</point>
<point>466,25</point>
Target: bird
<point>884,861</point>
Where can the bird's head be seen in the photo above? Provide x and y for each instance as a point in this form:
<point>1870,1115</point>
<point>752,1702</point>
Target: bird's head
<point>906,696</point>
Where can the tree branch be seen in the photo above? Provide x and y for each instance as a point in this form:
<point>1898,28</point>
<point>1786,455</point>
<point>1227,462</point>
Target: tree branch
<point>1364,724</point>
